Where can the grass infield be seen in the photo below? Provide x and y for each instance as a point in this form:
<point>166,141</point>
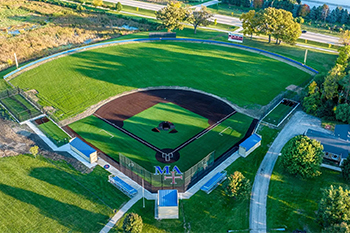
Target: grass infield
<point>42,195</point>
<point>73,83</point>
<point>112,141</point>
<point>186,123</point>
<point>52,131</point>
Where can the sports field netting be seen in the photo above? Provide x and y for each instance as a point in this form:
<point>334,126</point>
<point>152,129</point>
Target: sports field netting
<point>20,107</point>
<point>187,124</point>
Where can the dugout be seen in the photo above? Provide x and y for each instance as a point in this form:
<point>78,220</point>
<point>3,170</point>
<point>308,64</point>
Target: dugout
<point>83,150</point>
<point>249,145</point>
<point>168,204</point>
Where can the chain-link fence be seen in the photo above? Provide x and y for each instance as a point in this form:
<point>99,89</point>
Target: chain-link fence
<point>167,176</point>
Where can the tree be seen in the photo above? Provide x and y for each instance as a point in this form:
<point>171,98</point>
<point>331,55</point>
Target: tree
<point>345,83</point>
<point>330,85</point>
<point>200,18</point>
<point>324,12</point>
<point>345,168</point>
<point>334,207</point>
<point>97,3</point>
<point>266,21</point>
<point>304,10</point>
<point>342,113</point>
<point>302,156</point>
<point>172,16</point>
<point>248,23</point>
<point>345,38</point>
<point>257,4</point>
<point>119,7</point>
<point>34,150</point>
<point>132,223</point>
<point>338,228</point>
<point>238,186</point>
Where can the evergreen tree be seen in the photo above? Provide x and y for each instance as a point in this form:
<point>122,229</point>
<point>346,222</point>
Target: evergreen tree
<point>342,113</point>
<point>313,13</point>
<point>345,168</point>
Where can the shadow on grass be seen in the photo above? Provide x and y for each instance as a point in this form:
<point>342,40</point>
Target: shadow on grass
<point>67,215</point>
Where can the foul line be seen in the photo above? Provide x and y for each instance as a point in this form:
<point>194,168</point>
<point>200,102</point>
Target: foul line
<point>202,133</point>
<point>130,134</point>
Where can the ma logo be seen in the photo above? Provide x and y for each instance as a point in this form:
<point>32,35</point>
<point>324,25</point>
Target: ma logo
<point>166,171</point>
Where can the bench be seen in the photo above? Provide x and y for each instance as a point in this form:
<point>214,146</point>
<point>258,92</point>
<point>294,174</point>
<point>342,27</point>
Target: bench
<point>214,182</point>
<point>122,186</point>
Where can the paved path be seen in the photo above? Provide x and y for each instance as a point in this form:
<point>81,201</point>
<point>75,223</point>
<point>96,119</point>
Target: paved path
<point>297,125</point>
<point>199,6</point>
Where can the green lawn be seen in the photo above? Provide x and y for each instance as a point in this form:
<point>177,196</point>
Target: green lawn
<point>56,135</point>
<point>292,202</point>
<point>20,107</point>
<point>209,213</point>
<point>73,83</point>
<point>41,195</point>
<point>186,123</point>
<point>277,115</point>
<point>94,131</point>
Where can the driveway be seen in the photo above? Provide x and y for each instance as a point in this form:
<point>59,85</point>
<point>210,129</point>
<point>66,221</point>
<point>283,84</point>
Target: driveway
<point>297,125</point>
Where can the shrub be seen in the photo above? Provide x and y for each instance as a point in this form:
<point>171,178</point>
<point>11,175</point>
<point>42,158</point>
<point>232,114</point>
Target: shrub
<point>132,223</point>
<point>238,186</point>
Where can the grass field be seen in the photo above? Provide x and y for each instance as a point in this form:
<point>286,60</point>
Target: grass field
<point>278,114</point>
<point>41,195</point>
<point>73,83</point>
<point>186,123</point>
<point>52,131</point>
<point>112,141</point>
<point>20,107</point>
<point>209,213</point>
<point>292,202</point>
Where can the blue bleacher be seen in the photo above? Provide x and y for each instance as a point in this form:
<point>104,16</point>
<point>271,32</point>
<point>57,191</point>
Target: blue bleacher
<point>123,186</point>
<point>214,181</point>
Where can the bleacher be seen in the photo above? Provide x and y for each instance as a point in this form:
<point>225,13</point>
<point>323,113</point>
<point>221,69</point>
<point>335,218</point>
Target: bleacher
<point>122,186</point>
<point>214,182</point>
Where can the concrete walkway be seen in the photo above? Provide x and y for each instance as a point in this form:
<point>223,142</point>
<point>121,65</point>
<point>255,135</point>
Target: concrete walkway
<point>120,213</point>
<point>199,6</point>
<point>297,125</point>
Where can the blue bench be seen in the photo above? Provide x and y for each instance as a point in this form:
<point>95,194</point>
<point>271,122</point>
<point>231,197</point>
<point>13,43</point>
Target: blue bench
<point>214,182</point>
<point>122,186</point>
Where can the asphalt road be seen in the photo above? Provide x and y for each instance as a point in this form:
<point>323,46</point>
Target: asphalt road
<point>297,125</point>
<point>223,19</point>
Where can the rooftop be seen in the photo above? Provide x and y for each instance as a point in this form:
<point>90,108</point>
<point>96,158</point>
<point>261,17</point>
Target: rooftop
<point>81,146</point>
<point>167,197</point>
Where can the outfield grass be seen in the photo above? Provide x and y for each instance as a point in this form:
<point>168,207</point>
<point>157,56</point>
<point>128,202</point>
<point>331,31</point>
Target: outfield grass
<point>186,123</point>
<point>278,114</point>
<point>56,135</point>
<point>73,83</point>
<point>114,142</point>
<point>209,213</point>
<point>293,202</point>
<point>41,195</point>
<point>20,107</point>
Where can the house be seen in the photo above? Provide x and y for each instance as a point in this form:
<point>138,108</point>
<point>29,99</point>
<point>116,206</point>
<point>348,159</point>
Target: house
<point>336,149</point>
<point>83,150</point>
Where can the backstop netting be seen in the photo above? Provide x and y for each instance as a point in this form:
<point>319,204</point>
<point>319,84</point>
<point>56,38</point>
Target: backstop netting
<point>166,175</point>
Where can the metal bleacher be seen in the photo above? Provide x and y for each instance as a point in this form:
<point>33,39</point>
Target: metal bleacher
<point>122,186</point>
<point>214,182</point>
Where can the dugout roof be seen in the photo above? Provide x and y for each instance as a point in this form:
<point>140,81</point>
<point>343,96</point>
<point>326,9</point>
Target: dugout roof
<point>82,147</point>
<point>167,198</point>
<point>250,142</point>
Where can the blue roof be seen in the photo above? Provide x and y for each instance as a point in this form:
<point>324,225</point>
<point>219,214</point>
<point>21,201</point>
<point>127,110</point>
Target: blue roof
<point>343,132</point>
<point>119,182</point>
<point>82,147</point>
<point>167,197</point>
<point>213,181</point>
<point>250,142</point>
